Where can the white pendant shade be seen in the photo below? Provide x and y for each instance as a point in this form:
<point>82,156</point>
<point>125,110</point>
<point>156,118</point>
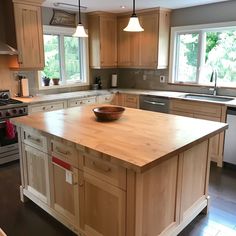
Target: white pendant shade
<point>80,32</point>
<point>134,25</point>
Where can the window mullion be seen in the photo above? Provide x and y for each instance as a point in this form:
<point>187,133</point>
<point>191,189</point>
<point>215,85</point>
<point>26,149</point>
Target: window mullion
<point>62,59</point>
<point>201,49</point>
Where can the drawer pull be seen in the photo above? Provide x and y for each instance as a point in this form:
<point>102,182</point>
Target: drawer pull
<point>103,168</point>
<point>62,151</point>
<point>33,139</point>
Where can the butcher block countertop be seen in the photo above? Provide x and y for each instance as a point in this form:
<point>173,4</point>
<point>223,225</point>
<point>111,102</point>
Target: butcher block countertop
<point>138,140</point>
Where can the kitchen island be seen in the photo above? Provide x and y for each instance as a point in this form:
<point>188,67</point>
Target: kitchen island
<point>145,174</point>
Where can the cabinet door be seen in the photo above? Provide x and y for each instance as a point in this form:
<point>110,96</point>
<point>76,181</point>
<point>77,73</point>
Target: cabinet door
<point>148,40</point>
<point>108,36</point>
<point>102,207</point>
<point>37,176</point>
<point>124,41</point>
<point>216,142</point>
<point>64,186</point>
<point>29,35</point>
<point>130,100</point>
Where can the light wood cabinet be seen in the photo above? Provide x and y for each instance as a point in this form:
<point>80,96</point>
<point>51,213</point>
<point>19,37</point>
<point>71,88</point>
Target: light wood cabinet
<point>29,35</point>
<point>206,111</point>
<point>102,206</point>
<point>147,49</point>
<point>37,173</point>
<point>102,40</point>
<point>124,43</point>
<point>64,189</point>
<point>126,100</point>
<point>47,106</point>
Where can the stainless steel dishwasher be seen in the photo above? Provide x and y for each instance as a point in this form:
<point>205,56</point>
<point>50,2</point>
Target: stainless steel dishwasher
<point>230,137</point>
<point>154,103</point>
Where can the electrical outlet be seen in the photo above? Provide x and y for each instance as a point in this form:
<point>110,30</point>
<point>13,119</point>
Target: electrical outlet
<point>144,77</point>
<point>162,79</point>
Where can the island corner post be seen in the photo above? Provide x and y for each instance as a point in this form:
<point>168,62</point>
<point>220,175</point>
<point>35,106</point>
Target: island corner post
<point>141,184</point>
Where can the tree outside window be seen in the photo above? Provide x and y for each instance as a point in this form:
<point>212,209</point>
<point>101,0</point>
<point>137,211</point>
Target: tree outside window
<point>200,52</point>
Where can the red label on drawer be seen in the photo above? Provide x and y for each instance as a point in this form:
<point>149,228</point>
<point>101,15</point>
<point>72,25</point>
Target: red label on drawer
<point>61,163</point>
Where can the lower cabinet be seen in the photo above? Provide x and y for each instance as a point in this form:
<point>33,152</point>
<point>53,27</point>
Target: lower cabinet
<point>81,101</point>
<point>102,207</point>
<point>126,100</point>
<point>206,111</point>
<point>48,106</point>
<point>37,173</point>
<point>64,189</point>
<point>108,98</point>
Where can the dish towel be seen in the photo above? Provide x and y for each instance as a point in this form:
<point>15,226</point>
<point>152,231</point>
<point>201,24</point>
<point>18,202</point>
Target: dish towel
<point>10,130</point>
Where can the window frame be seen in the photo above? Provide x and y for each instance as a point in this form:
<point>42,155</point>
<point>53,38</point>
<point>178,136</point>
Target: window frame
<point>201,29</point>
<point>83,43</point>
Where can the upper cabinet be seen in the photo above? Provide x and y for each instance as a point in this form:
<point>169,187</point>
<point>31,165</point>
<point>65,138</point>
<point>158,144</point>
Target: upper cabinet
<point>148,49</point>
<point>102,40</point>
<point>28,31</point>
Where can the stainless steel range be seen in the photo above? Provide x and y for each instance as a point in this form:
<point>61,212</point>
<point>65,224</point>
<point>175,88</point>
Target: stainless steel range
<point>9,108</point>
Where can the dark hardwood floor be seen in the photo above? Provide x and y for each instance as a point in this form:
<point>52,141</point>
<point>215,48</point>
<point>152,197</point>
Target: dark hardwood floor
<point>19,219</point>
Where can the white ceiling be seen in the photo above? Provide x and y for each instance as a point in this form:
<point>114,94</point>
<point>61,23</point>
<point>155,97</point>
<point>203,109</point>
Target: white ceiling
<point>115,5</point>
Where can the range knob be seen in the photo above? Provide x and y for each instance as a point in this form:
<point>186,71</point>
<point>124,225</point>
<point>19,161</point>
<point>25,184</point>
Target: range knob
<point>0,114</point>
<point>14,111</point>
<point>4,96</point>
<point>8,113</point>
<point>21,111</point>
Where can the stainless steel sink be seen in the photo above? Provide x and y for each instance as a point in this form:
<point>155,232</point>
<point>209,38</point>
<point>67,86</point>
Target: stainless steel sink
<point>208,97</point>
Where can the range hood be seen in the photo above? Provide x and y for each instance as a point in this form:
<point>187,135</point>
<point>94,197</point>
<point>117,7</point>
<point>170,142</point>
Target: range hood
<point>7,50</point>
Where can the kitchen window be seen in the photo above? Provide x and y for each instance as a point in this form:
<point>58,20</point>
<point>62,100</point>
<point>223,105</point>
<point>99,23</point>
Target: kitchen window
<point>66,58</point>
<point>197,51</point>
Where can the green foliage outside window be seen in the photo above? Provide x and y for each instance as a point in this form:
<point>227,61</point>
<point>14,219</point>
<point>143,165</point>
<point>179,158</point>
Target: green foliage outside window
<point>220,54</point>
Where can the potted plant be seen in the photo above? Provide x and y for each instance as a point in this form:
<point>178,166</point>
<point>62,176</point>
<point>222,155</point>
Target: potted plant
<point>46,80</point>
<point>55,81</point>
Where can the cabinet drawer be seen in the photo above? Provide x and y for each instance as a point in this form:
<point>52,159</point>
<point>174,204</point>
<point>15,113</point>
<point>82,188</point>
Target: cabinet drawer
<point>196,108</point>
<point>81,102</point>
<point>67,154</point>
<point>131,98</point>
<point>34,139</point>
<point>106,171</point>
<point>105,98</point>
<point>46,107</point>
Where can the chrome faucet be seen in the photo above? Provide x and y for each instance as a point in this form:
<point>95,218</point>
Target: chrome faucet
<point>214,78</point>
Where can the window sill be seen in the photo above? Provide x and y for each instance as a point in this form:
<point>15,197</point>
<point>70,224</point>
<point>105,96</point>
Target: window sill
<point>62,86</point>
<point>202,85</point>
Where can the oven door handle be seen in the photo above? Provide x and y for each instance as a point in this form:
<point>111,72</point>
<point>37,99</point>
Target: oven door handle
<point>155,103</point>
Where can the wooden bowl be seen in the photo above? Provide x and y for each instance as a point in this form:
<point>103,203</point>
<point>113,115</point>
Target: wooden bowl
<point>108,113</point>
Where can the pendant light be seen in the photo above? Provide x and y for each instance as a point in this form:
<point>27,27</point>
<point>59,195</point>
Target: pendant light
<point>80,32</point>
<point>133,25</point>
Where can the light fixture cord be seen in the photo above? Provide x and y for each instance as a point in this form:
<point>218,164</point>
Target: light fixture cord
<point>133,8</point>
<point>79,12</point>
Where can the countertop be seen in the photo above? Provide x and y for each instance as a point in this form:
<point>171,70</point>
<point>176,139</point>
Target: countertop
<point>138,140</point>
<point>62,96</point>
<point>89,93</point>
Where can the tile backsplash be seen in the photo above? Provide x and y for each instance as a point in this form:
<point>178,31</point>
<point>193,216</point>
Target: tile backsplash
<point>150,79</point>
